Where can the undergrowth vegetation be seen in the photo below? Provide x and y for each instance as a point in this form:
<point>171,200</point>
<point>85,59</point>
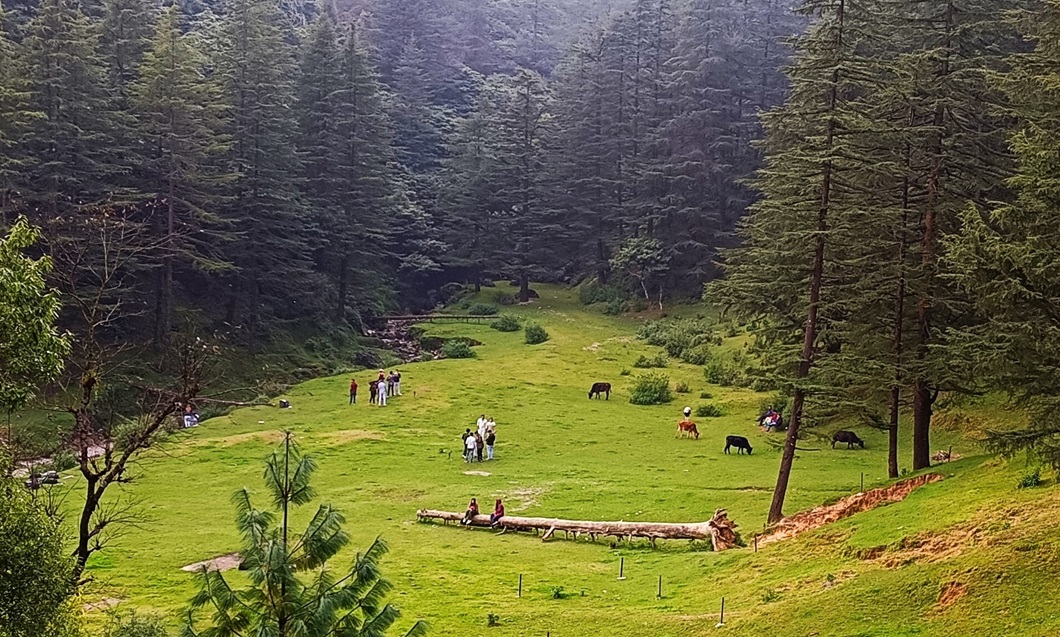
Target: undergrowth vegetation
<point>652,388</point>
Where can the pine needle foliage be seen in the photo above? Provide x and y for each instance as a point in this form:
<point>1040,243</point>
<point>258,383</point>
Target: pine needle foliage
<point>291,592</point>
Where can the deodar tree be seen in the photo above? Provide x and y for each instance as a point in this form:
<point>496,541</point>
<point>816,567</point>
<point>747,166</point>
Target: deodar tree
<point>782,274</point>
<point>291,591</point>
<point>1006,258</point>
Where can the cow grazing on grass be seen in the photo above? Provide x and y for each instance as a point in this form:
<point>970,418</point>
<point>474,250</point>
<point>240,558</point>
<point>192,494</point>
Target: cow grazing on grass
<point>848,437</point>
<point>739,442</point>
<point>688,428</point>
<point>601,388</point>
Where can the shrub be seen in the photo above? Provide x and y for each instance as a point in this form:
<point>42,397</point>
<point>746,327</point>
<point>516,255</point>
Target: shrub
<point>483,309</point>
<point>535,334</point>
<point>1031,479</point>
<point>501,297</point>
<point>591,293</point>
<point>722,372</point>
<point>732,330</point>
<point>706,395</point>
<point>558,592</point>
<point>709,411</point>
<point>133,624</point>
<point>624,372</point>
<point>650,362</point>
<point>651,389</point>
<point>687,339</point>
<point>457,349</point>
<point>682,388</point>
<point>616,307</point>
<point>770,596</point>
<point>493,620</point>
<point>507,323</point>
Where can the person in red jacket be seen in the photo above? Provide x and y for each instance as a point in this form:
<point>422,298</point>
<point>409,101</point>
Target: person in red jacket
<point>498,513</point>
<point>353,391</point>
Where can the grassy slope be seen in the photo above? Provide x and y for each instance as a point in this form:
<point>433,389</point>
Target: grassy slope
<point>562,455</point>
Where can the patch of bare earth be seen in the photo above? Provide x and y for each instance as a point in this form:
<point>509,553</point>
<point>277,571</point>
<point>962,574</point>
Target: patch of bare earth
<point>104,604</point>
<point>484,474</point>
<point>952,592</point>
<point>220,563</point>
<point>931,547</point>
<point>800,523</point>
<point>353,435</point>
<point>238,439</point>
<point>526,497</point>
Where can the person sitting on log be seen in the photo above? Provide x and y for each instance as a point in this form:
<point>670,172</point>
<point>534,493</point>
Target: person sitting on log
<point>472,511</point>
<point>498,513</point>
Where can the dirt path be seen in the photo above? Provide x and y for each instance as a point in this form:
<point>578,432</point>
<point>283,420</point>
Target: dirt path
<point>799,523</point>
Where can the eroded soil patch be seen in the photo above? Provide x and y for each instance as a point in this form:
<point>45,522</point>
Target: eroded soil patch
<point>800,523</point>
<point>220,563</point>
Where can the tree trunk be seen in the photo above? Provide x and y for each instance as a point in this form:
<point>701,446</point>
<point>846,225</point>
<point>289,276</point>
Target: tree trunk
<point>344,286</point>
<point>809,339</point>
<point>923,402</point>
<point>719,529</point>
<point>899,322</point>
<point>524,287</point>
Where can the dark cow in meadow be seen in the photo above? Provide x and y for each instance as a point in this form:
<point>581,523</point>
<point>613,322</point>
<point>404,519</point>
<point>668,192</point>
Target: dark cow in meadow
<point>739,442</point>
<point>601,388</point>
<point>848,437</point>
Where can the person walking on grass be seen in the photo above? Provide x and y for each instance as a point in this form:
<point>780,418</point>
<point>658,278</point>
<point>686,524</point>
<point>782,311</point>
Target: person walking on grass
<point>491,439</point>
<point>373,389</point>
<point>480,446</point>
<point>382,393</point>
<point>353,391</point>
<point>390,384</point>
<point>469,447</point>
<point>397,382</point>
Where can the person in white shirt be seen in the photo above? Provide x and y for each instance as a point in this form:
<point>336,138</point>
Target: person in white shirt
<point>382,393</point>
<point>482,426</point>
<point>491,427</point>
<point>470,445</point>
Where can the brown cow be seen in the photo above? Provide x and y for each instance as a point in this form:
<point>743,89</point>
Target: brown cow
<point>688,428</point>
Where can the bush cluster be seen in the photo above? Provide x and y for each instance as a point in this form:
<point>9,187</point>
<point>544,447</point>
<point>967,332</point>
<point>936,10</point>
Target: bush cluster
<point>457,349</point>
<point>535,334</point>
<point>709,411</point>
<point>500,297</point>
<point>690,339</point>
<point>682,388</point>
<point>507,323</point>
<point>651,362</point>
<point>1031,479</point>
<point>652,388</point>
<point>483,309</point>
<point>593,292</point>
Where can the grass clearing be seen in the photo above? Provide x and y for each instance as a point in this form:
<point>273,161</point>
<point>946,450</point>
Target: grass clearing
<point>560,454</point>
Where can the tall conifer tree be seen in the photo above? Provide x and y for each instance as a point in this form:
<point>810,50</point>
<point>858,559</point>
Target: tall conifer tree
<point>272,254</point>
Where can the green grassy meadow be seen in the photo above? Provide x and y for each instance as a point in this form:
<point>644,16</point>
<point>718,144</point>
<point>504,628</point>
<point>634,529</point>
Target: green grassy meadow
<point>562,455</point>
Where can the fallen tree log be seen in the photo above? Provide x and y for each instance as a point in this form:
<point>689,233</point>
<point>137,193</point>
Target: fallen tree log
<point>719,529</point>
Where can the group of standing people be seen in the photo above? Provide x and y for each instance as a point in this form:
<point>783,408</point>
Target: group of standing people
<point>481,440</point>
<point>472,511</point>
<point>386,385</point>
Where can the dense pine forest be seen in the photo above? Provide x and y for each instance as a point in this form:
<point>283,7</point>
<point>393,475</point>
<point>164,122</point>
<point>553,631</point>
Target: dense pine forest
<point>865,183</point>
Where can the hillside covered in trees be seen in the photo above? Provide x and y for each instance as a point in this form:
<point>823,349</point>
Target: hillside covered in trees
<point>268,162</point>
<point>866,184</point>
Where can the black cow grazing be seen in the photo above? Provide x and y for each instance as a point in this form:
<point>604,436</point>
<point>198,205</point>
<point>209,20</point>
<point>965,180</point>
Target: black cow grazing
<point>848,437</point>
<point>601,388</point>
<point>739,442</point>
